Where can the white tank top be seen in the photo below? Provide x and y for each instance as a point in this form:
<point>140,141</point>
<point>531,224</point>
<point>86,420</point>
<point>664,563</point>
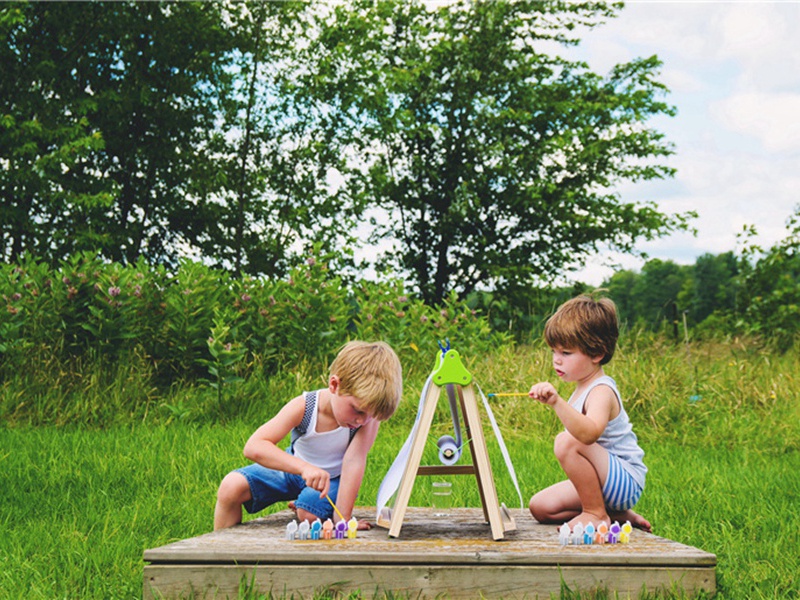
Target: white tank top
<point>324,450</point>
<point>618,437</point>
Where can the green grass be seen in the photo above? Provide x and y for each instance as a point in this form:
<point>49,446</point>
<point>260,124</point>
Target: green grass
<point>78,505</point>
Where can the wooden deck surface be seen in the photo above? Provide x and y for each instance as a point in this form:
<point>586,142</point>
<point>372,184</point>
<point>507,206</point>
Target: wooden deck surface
<point>453,557</point>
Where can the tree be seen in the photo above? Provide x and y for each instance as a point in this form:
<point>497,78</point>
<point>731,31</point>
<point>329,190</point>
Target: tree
<point>769,302</point>
<point>713,286</point>
<point>45,141</point>
<point>495,162</point>
<point>276,168</point>
<point>657,290</point>
<point>108,107</point>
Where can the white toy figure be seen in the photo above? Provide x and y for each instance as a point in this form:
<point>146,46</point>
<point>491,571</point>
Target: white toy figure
<point>563,534</point>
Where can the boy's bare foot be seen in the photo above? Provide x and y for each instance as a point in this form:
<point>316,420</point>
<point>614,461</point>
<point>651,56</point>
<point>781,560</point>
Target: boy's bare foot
<point>586,517</point>
<point>636,520</point>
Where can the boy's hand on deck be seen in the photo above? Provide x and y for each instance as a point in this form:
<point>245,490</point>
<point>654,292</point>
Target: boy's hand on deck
<point>544,392</point>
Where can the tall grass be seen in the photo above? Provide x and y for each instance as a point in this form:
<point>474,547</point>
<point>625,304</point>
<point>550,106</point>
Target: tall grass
<point>719,425</point>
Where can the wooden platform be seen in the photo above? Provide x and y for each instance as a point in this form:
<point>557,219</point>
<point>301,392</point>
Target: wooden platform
<point>438,557</point>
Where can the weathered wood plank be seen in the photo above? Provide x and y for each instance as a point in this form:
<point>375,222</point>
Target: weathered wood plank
<point>220,581</point>
<point>453,556</point>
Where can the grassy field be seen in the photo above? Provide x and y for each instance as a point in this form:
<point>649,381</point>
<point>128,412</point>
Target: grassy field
<point>720,428</point>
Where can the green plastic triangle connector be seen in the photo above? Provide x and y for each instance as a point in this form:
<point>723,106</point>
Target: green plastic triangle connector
<point>449,369</point>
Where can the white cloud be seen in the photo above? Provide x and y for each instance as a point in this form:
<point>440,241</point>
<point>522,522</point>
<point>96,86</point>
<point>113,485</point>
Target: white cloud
<point>770,118</point>
<point>734,74</point>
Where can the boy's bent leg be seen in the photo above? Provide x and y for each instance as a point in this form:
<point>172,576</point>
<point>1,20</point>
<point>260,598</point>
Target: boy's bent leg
<point>586,466</point>
<point>233,492</point>
<point>556,504</point>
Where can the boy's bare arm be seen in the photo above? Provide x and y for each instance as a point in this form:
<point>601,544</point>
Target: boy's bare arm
<point>353,467</point>
<point>262,447</point>
<point>586,428</point>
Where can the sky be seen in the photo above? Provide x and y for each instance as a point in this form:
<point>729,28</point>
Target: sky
<point>733,71</point>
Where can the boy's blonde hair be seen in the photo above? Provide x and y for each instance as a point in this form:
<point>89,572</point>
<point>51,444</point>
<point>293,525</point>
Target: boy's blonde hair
<point>586,324</point>
<point>371,372</point>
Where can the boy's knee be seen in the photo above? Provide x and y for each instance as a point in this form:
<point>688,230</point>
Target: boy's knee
<point>234,489</point>
<point>540,509</point>
<point>564,444</point>
<point>304,515</point>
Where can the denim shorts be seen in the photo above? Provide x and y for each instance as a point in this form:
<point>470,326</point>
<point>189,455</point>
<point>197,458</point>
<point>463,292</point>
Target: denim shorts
<point>268,486</point>
<point>620,491</point>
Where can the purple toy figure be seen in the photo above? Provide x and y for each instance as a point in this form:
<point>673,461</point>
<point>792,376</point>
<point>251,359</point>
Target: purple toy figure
<point>341,530</point>
<point>613,533</point>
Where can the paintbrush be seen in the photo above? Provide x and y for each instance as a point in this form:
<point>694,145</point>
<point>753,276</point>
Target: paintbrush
<point>334,508</point>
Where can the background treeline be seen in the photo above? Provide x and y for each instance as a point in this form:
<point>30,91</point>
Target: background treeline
<point>68,327</point>
<point>459,151</point>
<point>753,292</point>
<point>198,190</point>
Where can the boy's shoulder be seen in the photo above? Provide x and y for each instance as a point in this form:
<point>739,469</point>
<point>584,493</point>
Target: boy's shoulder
<point>310,404</point>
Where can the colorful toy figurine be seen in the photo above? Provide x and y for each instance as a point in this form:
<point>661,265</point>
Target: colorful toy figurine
<point>291,530</point>
<point>577,535</point>
<point>563,534</point>
<point>302,530</point>
<point>316,529</point>
<point>589,534</point>
<point>613,533</point>
<point>327,529</point>
<point>341,530</point>
<point>352,528</point>
<point>602,532</point>
<point>625,536</point>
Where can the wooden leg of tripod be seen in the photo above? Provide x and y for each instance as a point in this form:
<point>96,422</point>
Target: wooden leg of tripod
<point>414,457</point>
<point>480,459</point>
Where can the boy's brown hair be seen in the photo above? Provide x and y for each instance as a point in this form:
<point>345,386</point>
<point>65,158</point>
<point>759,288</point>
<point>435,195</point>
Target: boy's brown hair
<point>586,324</point>
<point>371,372</point>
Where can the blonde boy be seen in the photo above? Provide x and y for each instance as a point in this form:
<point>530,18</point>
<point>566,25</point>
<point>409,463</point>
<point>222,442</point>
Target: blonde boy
<point>332,430</point>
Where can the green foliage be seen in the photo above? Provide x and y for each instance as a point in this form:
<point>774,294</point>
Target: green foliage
<point>178,328</point>
<point>770,287</point>
<point>237,131</point>
<point>225,355</point>
<point>492,159</point>
<point>106,114</point>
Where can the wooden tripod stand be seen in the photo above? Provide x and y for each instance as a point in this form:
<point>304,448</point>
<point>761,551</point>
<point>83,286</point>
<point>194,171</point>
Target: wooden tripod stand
<point>451,372</point>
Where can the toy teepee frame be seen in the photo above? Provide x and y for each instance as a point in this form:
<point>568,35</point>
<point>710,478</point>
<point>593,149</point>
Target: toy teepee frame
<point>450,371</point>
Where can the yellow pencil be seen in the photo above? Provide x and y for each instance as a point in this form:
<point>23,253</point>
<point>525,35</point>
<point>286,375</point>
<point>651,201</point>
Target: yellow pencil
<point>508,394</point>
<point>334,508</point>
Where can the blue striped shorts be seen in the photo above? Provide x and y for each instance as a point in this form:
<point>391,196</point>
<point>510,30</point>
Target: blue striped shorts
<point>621,491</point>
